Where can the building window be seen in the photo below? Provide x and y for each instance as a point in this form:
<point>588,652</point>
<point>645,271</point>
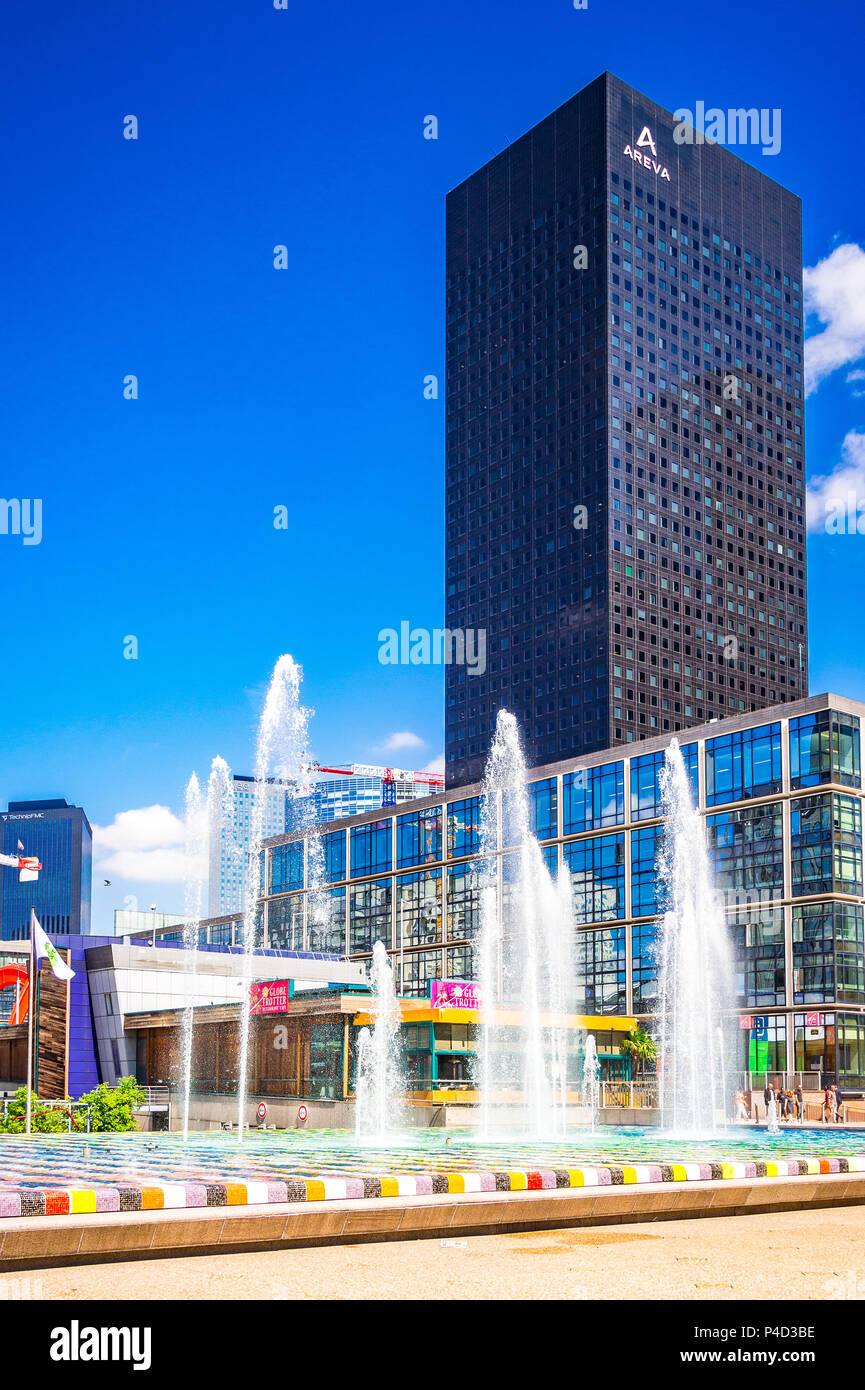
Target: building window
<point>463,827</point>
<point>645,881</point>
<point>746,847</point>
<point>645,781</point>
<point>594,797</point>
<point>544,809</point>
<point>371,848</point>
<point>744,764</point>
<point>285,923</point>
<point>463,901</point>
<point>369,916</point>
<point>824,747</point>
<point>327,934</point>
<point>418,908</point>
<point>763,1048</point>
<point>460,963</point>
<point>286,867</point>
<point>828,953</point>
<point>334,856</point>
<point>758,943</point>
<point>417,970</point>
<point>826,845</point>
<point>644,967</point>
<point>601,972</point>
<point>832,1045</point>
<point>597,869</point>
<point>419,837</point>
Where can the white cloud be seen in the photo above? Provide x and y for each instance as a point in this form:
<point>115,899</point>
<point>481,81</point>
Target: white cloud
<point>436,764</point>
<point>856,377</point>
<point>827,495</point>
<point>835,292</point>
<point>144,845</point>
<point>405,739</point>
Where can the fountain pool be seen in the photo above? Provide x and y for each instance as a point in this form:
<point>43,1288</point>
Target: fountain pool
<point>60,1174</point>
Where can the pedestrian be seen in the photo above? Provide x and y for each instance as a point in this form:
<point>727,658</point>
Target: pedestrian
<point>800,1102</point>
<point>839,1105</point>
<point>769,1091</point>
<point>741,1112</point>
<point>828,1105</point>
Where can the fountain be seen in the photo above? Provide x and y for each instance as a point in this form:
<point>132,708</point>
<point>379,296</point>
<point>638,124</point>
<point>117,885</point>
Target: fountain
<point>772,1126</point>
<point>281,754</point>
<point>380,1080</point>
<point>592,1077</point>
<point>194,854</point>
<point>220,822</point>
<point>525,958</point>
<point>694,964</point>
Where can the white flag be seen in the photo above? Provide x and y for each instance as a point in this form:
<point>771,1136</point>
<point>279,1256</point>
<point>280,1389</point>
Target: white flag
<point>45,951</point>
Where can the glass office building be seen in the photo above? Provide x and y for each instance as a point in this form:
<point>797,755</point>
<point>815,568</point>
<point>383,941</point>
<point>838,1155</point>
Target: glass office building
<point>364,788</point>
<point>625,474</point>
<point>781,792</point>
<point>229,854</point>
<point>60,836</point>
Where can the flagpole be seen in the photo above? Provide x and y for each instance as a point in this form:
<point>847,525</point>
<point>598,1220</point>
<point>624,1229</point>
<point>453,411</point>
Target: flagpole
<point>30,1007</point>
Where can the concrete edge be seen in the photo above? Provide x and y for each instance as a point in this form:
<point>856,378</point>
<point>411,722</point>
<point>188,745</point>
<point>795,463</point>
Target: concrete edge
<point>45,1242</point>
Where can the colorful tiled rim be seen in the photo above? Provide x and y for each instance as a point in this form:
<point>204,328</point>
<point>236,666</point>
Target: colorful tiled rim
<point>162,1196</point>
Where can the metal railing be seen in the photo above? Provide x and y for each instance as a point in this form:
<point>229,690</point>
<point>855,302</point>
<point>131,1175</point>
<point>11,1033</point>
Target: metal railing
<point>629,1095</point>
<point>156,1097</point>
<point>66,1105</point>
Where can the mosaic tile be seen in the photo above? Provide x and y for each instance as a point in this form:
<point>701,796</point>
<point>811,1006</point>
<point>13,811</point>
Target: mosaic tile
<point>60,1175</point>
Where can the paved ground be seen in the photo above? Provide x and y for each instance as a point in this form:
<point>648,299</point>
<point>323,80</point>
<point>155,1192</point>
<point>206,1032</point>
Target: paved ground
<point>804,1254</point>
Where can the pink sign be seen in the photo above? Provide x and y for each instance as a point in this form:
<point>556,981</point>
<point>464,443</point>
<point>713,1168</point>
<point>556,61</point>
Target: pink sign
<point>744,1020</point>
<point>455,994</point>
<point>813,1020</point>
<point>269,996</point>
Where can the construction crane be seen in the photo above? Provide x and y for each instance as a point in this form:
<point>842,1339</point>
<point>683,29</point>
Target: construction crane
<point>389,777</point>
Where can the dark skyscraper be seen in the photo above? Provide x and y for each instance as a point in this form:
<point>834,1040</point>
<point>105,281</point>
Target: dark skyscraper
<point>625,484</point>
<point>60,836</point>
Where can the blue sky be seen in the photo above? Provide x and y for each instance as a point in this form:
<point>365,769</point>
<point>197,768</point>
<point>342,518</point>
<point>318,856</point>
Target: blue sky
<point>304,388</point>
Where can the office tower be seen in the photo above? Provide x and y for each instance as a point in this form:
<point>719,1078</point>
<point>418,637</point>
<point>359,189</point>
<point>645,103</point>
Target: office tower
<point>60,836</point>
<point>625,474</point>
<point>229,855</point>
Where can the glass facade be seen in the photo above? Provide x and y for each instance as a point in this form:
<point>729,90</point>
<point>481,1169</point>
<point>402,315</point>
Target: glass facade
<point>747,852</point>
<point>371,848</point>
<point>795,916</point>
<point>594,797</point>
<point>659,387</point>
<point>744,764</point>
<point>59,836</point>
<point>646,785</point>
<point>824,747</point>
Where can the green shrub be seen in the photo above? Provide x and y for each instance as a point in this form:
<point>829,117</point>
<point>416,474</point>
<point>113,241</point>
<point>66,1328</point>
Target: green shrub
<point>112,1107</point>
<point>111,1111</point>
<point>44,1119</point>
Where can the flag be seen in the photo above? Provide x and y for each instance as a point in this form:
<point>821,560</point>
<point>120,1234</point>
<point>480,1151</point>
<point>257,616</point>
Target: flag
<point>45,951</point>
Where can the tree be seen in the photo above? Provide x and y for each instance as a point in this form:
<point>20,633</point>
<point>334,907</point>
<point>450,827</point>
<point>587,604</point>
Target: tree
<point>640,1047</point>
<point>112,1109</point>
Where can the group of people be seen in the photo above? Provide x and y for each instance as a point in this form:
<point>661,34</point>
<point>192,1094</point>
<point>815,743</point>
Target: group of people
<point>790,1105</point>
